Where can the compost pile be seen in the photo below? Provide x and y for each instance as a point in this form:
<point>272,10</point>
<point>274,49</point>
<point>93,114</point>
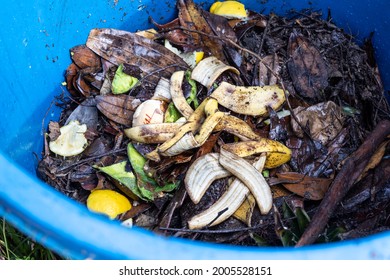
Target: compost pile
<point>227,126</point>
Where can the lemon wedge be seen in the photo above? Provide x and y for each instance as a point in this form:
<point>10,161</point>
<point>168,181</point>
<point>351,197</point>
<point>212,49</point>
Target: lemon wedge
<point>198,56</point>
<point>108,202</point>
<point>229,9</point>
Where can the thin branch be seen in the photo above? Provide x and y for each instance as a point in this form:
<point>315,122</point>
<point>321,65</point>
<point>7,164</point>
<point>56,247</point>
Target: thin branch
<point>68,167</point>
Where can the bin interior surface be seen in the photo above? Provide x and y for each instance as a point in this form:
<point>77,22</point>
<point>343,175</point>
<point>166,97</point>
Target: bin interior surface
<point>35,42</point>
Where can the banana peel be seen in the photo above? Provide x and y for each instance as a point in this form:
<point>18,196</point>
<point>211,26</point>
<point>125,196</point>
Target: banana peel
<point>252,100</point>
<point>245,211</point>
<point>190,141</point>
<point>178,95</point>
<point>194,133</point>
<point>209,69</point>
<point>204,170</point>
<point>193,123</point>
<point>237,127</point>
<point>277,153</point>
<point>153,133</point>
<point>232,200</point>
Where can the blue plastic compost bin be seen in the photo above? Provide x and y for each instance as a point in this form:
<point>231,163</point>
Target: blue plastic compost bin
<point>35,39</point>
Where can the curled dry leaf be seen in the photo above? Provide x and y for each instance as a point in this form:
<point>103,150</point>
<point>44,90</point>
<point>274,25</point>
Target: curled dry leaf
<point>84,57</point>
<point>54,130</point>
<point>171,32</point>
<point>70,76</point>
<point>375,159</point>
<point>191,18</point>
<point>311,188</point>
<point>98,147</point>
<point>269,68</point>
<point>86,176</point>
<point>324,121</point>
<point>307,68</point>
<point>82,81</point>
<point>118,108</point>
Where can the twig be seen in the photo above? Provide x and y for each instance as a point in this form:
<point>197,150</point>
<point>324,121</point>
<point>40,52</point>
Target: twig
<point>68,167</point>
<point>343,182</point>
<point>216,231</point>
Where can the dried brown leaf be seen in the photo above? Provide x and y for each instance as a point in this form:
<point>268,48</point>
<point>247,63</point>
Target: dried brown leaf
<point>323,121</point>
<point>307,68</point>
<point>71,73</point>
<point>191,18</point>
<point>118,108</point>
<point>375,159</point>
<point>173,33</point>
<point>311,188</point>
<point>279,191</point>
<point>84,57</point>
<point>54,130</point>
<point>267,77</point>
<point>135,211</point>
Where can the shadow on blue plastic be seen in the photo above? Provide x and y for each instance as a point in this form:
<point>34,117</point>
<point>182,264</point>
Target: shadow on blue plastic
<point>35,39</point>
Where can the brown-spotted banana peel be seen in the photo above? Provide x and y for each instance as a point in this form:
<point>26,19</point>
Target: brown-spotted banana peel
<point>209,69</point>
<point>227,204</point>
<point>153,133</point>
<point>277,153</point>
<point>237,127</point>
<point>178,96</point>
<point>190,141</point>
<point>203,171</point>
<point>249,100</point>
<point>186,139</point>
<point>193,123</point>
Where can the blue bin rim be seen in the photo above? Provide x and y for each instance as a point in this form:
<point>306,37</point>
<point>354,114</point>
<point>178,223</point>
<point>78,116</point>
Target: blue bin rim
<point>72,231</point>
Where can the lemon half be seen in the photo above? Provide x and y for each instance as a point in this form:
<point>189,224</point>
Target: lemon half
<point>108,202</point>
<point>229,9</point>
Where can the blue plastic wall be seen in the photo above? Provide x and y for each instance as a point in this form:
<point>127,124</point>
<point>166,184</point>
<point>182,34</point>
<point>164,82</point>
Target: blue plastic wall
<point>35,38</point>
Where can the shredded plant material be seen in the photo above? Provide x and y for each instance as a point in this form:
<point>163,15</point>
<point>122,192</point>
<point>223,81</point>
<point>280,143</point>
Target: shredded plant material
<point>227,126</point>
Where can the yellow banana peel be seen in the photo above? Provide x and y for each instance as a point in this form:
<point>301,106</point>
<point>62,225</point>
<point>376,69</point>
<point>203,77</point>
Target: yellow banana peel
<point>276,152</point>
